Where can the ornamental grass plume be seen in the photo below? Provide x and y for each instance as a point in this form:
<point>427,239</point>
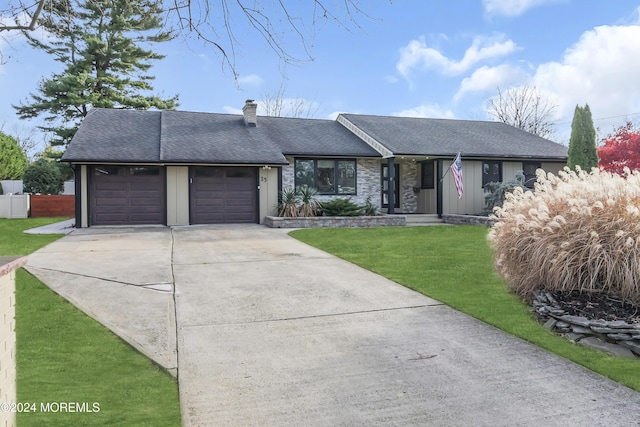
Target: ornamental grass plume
<point>576,231</point>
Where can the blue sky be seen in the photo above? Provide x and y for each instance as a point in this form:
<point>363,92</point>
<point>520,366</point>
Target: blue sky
<point>437,58</point>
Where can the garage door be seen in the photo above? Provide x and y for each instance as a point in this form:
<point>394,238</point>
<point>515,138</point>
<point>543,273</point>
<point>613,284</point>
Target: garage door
<point>123,195</point>
<point>222,195</point>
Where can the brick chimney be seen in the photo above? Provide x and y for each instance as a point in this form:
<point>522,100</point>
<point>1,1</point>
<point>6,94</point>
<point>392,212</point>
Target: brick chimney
<point>249,112</point>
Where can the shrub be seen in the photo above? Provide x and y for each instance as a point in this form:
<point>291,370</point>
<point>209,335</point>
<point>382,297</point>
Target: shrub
<point>341,207</point>
<point>577,231</point>
<point>497,191</point>
<point>13,160</point>
<point>43,177</point>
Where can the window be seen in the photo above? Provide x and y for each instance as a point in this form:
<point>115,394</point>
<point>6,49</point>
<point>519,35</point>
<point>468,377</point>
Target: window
<point>328,176</point>
<point>109,170</point>
<point>491,171</point>
<point>428,174</point>
<point>529,169</point>
<point>148,171</point>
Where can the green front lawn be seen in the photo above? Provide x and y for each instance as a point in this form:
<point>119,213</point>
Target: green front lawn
<point>63,357</point>
<point>13,240</point>
<point>454,266</point>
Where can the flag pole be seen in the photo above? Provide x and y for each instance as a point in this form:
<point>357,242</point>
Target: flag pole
<point>449,168</point>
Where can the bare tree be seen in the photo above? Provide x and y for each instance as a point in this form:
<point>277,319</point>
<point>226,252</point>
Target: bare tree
<point>277,105</point>
<point>525,108</point>
<point>14,11</point>
<point>217,22</point>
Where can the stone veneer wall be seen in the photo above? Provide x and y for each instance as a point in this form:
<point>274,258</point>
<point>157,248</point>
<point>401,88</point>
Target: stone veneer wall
<point>368,181</point>
<point>408,180</point>
<point>8,336</point>
<point>336,221</point>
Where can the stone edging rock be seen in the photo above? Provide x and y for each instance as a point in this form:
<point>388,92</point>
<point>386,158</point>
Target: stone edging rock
<point>335,221</point>
<point>468,219</point>
<point>615,337</point>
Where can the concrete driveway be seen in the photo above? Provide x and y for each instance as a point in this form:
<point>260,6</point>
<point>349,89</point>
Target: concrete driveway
<point>261,329</point>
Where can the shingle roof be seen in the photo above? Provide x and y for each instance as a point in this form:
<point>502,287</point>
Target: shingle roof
<point>433,137</point>
<point>118,136</point>
<point>107,135</point>
<point>129,136</point>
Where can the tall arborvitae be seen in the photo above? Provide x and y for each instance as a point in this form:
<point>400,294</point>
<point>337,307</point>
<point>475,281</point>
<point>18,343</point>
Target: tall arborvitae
<point>99,41</point>
<point>582,144</point>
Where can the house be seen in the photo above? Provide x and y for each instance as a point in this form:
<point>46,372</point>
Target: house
<point>180,168</point>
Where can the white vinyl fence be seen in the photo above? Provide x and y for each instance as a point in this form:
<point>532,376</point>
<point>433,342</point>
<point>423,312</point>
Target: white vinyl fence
<point>14,206</point>
<point>15,187</point>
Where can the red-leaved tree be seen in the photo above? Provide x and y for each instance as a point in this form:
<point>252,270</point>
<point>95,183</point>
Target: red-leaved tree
<point>620,149</point>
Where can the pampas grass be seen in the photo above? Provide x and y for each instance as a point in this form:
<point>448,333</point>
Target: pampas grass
<point>577,231</point>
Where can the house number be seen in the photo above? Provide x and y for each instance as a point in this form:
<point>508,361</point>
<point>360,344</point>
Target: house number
<point>263,179</point>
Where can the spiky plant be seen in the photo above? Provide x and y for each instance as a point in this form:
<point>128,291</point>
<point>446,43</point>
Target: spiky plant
<point>369,209</point>
<point>310,203</point>
<point>288,203</point>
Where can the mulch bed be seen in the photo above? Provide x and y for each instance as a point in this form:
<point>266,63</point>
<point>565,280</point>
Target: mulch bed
<point>597,306</point>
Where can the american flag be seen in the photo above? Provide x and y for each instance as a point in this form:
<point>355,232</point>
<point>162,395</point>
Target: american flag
<point>456,170</point>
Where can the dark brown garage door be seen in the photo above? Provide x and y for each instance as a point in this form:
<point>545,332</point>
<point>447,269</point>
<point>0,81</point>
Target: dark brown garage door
<point>123,195</point>
<point>222,195</point>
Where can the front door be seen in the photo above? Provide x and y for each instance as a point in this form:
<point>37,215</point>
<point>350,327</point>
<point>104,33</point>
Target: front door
<point>385,185</point>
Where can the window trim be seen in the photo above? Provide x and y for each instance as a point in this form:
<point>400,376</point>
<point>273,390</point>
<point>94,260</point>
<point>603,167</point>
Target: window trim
<point>423,184</point>
<point>335,169</point>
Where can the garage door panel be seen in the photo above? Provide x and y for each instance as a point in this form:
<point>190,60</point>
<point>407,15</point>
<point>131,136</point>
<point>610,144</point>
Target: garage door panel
<point>110,201</point>
<point>150,202</point>
<point>127,195</point>
<point>223,195</point>
<point>143,186</point>
<point>238,204</point>
<point>209,204</point>
<point>110,186</point>
<point>210,195</point>
<point>111,218</point>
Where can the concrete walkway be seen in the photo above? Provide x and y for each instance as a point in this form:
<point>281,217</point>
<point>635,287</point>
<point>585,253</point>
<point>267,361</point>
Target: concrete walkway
<point>261,329</point>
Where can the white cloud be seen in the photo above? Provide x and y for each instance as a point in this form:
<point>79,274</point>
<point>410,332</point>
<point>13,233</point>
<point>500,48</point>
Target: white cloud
<point>433,111</point>
<point>250,80</point>
<point>417,55</point>
<point>601,69</point>
<point>511,7</point>
<point>488,78</point>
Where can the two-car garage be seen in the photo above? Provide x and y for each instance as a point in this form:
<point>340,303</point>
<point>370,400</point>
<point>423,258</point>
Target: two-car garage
<point>130,195</point>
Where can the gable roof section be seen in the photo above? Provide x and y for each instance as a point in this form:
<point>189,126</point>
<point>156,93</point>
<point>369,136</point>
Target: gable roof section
<point>117,136</point>
<point>130,136</point>
<point>445,137</point>
<point>313,137</point>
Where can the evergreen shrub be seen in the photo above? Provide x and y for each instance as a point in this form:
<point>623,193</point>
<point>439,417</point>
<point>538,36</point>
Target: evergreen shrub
<point>43,177</point>
<point>341,207</point>
<point>576,231</point>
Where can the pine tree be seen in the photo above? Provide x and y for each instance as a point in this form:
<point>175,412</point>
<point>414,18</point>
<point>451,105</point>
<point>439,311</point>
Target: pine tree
<point>99,41</point>
<point>582,144</point>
